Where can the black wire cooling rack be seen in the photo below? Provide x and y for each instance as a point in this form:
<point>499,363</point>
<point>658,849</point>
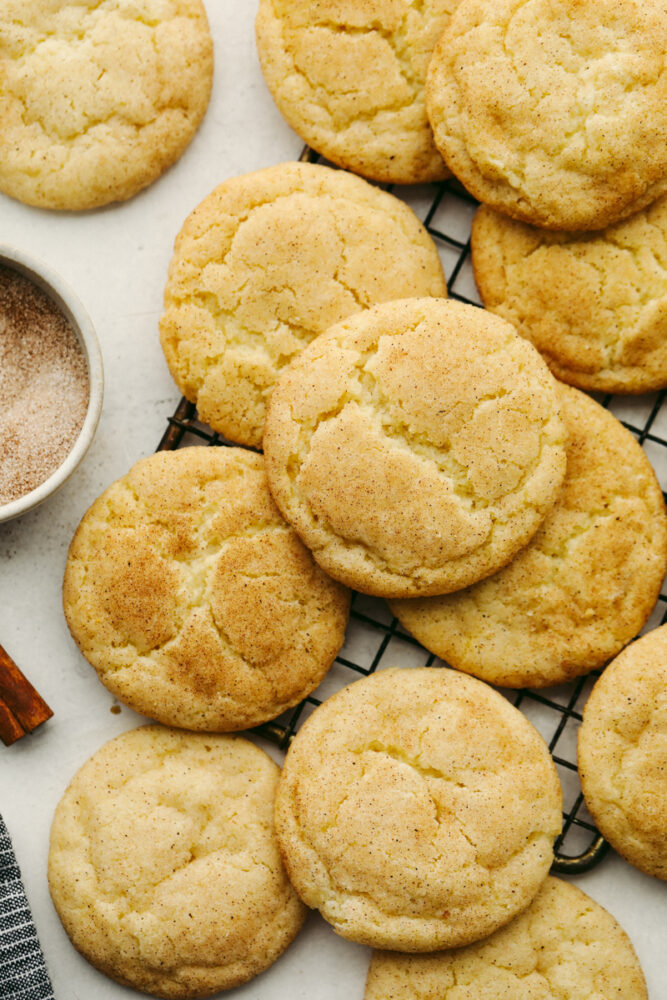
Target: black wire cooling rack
<point>375,639</point>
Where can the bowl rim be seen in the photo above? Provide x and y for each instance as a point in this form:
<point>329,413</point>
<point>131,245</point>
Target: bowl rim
<point>66,300</point>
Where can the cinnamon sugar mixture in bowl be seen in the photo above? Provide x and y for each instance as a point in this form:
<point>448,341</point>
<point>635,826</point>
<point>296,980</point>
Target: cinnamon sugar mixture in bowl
<point>50,383</point>
<point>44,387</point>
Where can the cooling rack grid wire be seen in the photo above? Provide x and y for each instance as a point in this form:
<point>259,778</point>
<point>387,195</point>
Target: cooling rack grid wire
<point>375,639</point>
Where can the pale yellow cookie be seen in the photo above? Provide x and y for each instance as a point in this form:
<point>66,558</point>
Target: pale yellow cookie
<point>554,111</point>
<point>268,261</point>
<point>563,947</point>
<point>97,98</point>
<point>348,76</point>
<point>582,588</point>
<point>417,810</point>
<point>195,602</point>
<point>164,866</point>
<point>622,753</point>
<point>415,447</point>
<point>593,304</point>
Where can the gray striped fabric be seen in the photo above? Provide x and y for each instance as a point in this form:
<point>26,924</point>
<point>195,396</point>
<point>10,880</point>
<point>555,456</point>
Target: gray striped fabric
<point>23,974</point>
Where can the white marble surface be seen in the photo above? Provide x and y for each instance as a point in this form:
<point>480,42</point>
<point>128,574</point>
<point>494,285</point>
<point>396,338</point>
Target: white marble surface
<point>116,259</point>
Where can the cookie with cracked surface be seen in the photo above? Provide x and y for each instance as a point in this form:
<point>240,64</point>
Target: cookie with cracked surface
<point>600,318</point>
<point>622,753</point>
<point>348,76</point>
<point>565,946</point>
<point>164,865</point>
<point>268,261</point>
<point>195,602</point>
<point>415,447</point>
<point>581,589</point>
<point>98,99</point>
<point>554,111</point>
<point>417,809</point>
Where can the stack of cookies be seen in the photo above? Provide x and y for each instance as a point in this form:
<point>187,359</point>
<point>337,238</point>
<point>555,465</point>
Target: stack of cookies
<point>554,115</point>
<point>414,449</point>
<point>419,450</point>
<point>198,604</point>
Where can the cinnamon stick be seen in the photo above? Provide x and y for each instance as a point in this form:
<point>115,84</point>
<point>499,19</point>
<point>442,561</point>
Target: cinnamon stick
<point>22,708</point>
<point>11,729</point>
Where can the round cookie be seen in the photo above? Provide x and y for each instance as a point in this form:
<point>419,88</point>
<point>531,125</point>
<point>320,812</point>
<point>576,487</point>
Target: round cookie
<point>268,261</point>
<point>98,99</point>
<point>164,866</point>
<point>600,320</point>
<point>563,947</point>
<point>582,588</point>
<point>554,111</point>
<point>349,78</point>
<point>622,753</point>
<point>194,601</point>
<point>415,447</point>
<point>417,809</point>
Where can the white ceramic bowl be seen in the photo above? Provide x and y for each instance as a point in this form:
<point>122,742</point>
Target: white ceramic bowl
<point>65,299</point>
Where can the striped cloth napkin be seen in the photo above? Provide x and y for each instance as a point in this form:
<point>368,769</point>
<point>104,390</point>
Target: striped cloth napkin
<point>23,974</point>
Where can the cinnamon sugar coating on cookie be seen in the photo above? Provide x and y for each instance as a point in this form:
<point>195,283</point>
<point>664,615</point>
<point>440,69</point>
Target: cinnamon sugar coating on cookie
<point>600,320</point>
<point>193,599</point>
<point>563,946</point>
<point>268,261</point>
<point>554,111</point>
<point>582,588</point>
<point>98,98</point>
<point>415,447</point>
<point>164,865</point>
<point>348,76</point>
<point>622,753</point>
<point>417,810</point>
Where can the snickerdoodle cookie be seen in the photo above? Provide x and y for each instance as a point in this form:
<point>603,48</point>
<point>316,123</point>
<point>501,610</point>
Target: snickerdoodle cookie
<point>268,261</point>
<point>415,447</point>
<point>195,602</point>
<point>349,78</point>
<point>97,99</point>
<point>563,947</point>
<point>417,810</point>
<point>600,318</point>
<point>554,111</point>
<point>164,865</point>
<point>623,753</point>
<point>582,588</point>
